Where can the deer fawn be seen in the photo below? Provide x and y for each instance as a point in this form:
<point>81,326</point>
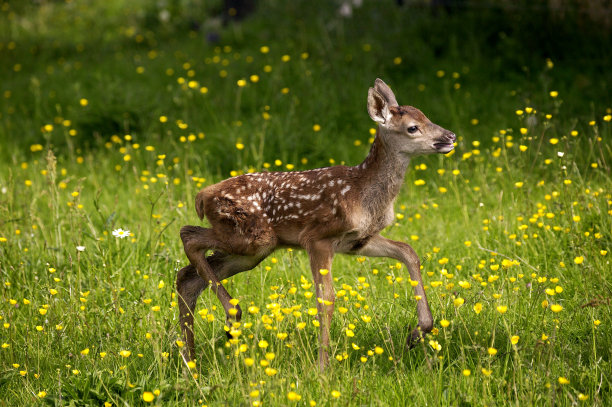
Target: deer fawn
<point>324,211</point>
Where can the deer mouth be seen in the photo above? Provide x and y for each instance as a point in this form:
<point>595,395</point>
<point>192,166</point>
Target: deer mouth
<point>444,147</point>
<point>445,143</point>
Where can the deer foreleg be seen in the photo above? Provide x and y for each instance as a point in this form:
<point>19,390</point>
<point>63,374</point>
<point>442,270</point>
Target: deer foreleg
<point>379,246</point>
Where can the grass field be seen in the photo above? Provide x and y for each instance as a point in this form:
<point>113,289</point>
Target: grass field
<point>113,114</point>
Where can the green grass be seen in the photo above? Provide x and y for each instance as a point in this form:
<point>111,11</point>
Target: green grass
<point>86,151</point>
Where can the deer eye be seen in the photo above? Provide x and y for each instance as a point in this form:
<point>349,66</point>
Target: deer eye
<point>412,129</point>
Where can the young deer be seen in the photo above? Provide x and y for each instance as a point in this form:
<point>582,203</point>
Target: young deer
<point>324,211</point>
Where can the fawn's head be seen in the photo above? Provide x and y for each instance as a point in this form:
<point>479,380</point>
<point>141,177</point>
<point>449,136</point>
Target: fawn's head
<point>405,128</point>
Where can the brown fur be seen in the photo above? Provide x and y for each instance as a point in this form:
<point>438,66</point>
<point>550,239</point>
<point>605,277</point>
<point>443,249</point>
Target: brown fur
<point>324,211</point>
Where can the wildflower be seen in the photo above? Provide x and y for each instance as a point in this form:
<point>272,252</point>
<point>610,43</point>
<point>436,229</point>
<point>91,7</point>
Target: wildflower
<point>120,233</point>
<point>486,372</point>
<point>85,352</point>
<point>458,302</point>
<point>582,397</point>
<point>492,351</point>
<point>502,309</point>
<point>553,94</point>
<point>435,345</point>
<point>80,248</point>
<point>514,339</point>
<point>556,308</point>
<point>125,353</point>
<point>316,127</point>
<point>444,323</point>
<point>578,260</point>
<point>148,396</point>
<point>270,371</point>
<point>293,396</point>
<point>42,394</point>
<point>563,380</point>
<point>335,394</point>
<point>249,361</point>
<point>466,372</point>
<point>478,307</point>
<point>263,344</point>
<point>378,350</point>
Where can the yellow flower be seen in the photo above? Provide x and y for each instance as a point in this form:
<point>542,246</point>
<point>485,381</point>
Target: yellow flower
<point>349,333</point>
<point>293,396</point>
<point>466,372</point>
<point>335,394</point>
<point>514,339</point>
<point>270,371</point>
<point>42,394</point>
<point>563,380</point>
<point>553,93</point>
<point>263,344</point>
<point>125,353</point>
<point>458,302</point>
<point>435,345</point>
<point>492,351</point>
<point>378,350</point>
<point>556,308</point>
<point>316,127</point>
<point>478,307</point>
<point>444,323</point>
<point>578,260</point>
<point>85,352</point>
<point>582,397</point>
<point>249,361</point>
<point>148,396</point>
<point>502,309</point>
<point>486,372</point>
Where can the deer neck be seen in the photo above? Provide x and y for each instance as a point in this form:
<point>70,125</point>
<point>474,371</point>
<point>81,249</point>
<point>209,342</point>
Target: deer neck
<point>382,174</point>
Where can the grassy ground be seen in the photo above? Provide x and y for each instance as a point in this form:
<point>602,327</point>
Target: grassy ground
<point>114,119</point>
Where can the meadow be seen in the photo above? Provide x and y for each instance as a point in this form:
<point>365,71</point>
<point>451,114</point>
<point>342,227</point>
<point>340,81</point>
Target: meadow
<point>113,114</point>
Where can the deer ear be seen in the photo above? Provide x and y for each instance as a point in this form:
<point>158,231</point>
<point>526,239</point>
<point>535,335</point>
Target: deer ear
<point>382,88</point>
<point>378,108</point>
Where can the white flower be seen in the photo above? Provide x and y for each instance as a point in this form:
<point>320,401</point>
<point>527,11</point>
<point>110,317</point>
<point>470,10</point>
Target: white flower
<point>80,248</point>
<point>121,233</point>
<point>560,153</point>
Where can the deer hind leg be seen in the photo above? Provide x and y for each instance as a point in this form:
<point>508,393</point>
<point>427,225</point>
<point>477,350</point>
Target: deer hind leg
<point>197,241</point>
<point>379,246</point>
<point>321,255</point>
<point>190,285</point>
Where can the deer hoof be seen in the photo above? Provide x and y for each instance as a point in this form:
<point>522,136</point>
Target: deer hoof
<point>414,338</point>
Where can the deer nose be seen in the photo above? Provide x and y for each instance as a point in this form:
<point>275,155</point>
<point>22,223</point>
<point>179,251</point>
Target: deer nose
<point>451,137</point>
